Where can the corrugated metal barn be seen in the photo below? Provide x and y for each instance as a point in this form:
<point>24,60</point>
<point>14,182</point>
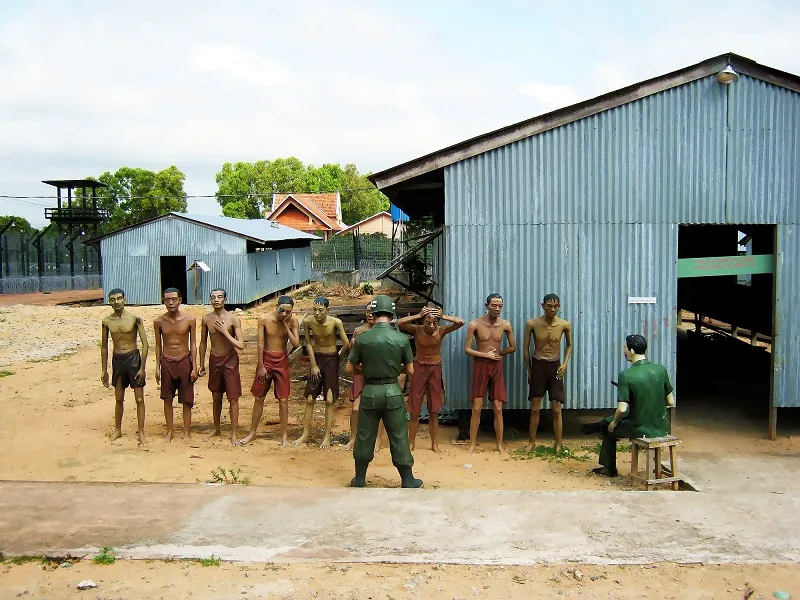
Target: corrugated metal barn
<point>621,205</point>
<point>249,258</point>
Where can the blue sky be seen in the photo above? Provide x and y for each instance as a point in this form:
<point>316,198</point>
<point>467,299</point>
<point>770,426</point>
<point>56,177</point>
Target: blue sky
<point>90,86</point>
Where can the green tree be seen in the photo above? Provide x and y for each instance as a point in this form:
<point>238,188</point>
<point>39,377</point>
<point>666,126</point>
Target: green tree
<point>21,225</point>
<point>134,195</point>
<point>360,198</point>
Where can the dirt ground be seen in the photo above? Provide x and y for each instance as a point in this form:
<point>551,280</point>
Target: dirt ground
<point>55,419</point>
<point>144,580</point>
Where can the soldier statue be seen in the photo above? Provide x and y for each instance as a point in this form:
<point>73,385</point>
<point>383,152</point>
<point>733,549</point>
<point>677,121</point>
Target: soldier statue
<point>382,353</point>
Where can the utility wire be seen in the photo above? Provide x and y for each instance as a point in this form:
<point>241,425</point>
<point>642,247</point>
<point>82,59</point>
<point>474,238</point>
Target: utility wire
<point>249,195</point>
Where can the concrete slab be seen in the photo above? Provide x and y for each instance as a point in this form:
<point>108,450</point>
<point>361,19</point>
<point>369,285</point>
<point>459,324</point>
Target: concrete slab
<point>403,526</point>
<point>766,473</point>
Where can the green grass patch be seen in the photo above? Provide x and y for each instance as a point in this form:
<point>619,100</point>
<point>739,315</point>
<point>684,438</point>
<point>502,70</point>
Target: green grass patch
<point>211,561</point>
<point>22,560</point>
<point>6,374</point>
<point>228,476</point>
<point>595,449</point>
<point>547,453</point>
<point>106,557</point>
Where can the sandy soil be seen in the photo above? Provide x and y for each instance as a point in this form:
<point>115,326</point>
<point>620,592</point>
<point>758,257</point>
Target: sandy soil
<point>144,580</point>
<point>55,419</point>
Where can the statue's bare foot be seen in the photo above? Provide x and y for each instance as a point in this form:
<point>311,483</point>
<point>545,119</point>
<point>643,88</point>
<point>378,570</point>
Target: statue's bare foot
<point>168,438</point>
<point>187,437</point>
<point>435,448</point>
<point>235,442</point>
<point>116,435</point>
<point>326,443</point>
<point>142,441</point>
<point>215,433</point>
<point>301,440</point>
<point>500,449</point>
<point>471,448</point>
<point>558,448</point>
<point>350,444</point>
<point>249,438</point>
<point>530,446</point>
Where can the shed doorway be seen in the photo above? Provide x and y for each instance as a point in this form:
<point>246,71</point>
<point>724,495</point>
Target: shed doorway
<point>726,306</point>
<point>173,274</point>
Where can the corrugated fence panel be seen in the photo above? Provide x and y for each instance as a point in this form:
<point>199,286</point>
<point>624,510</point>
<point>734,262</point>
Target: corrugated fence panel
<point>525,262</point>
<point>265,277</point>
<point>786,348</point>
<point>763,170</point>
<point>661,159</point>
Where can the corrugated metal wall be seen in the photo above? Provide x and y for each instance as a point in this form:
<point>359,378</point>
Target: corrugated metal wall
<point>591,210</point>
<point>264,277</point>
<point>131,260</point>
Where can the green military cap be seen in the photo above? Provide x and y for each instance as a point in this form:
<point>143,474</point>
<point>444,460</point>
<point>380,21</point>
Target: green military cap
<point>382,304</point>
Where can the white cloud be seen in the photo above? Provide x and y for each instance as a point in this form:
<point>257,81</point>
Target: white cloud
<point>550,96</point>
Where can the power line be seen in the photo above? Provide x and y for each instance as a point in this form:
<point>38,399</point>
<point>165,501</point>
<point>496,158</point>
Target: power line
<point>187,196</point>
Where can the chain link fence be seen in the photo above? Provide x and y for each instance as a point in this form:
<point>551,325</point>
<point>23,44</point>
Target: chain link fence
<point>370,254</point>
<point>56,264</point>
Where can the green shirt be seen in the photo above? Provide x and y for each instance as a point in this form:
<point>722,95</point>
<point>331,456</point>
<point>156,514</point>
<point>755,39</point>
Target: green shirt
<point>645,387</point>
<point>382,351</point>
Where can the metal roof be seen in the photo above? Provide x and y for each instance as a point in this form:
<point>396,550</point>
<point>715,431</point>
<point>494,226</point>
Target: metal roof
<point>524,129</point>
<point>260,231</point>
<point>75,183</point>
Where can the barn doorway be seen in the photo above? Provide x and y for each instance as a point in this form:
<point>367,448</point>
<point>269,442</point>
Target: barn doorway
<point>173,274</point>
<point>726,305</point>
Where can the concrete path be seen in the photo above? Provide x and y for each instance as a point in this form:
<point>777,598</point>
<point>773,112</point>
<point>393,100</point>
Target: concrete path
<point>394,525</point>
<point>768,473</point>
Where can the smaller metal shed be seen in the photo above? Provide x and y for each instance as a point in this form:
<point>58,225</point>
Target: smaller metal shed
<point>249,258</point>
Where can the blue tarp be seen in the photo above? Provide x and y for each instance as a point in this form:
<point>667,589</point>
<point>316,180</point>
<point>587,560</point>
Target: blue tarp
<point>397,214</point>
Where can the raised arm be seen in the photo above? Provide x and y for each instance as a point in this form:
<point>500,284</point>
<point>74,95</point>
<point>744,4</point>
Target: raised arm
<point>145,345</point>
<point>567,352</point>
<point>406,322</point>
<point>104,354</point>
<point>512,344</point>
<point>526,346</point>
<point>292,326</point>
<point>193,347</point>
<point>468,344</point>
<point>157,329</point>
<point>455,323</point>
<point>203,346</point>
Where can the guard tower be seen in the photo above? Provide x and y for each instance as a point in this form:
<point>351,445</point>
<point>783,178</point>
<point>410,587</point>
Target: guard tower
<point>79,217</point>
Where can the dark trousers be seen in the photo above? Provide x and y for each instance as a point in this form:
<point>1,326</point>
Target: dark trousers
<point>382,403</point>
<point>608,450</point>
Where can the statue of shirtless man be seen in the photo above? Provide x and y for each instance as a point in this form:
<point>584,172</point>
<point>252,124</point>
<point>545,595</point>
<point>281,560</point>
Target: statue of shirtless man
<point>176,360</point>
<point>545,371</point>
<point>275,329</point>
<point>427,377</point>
<point>225,331</point>
<point>487,366</point>
<point>323,380</point>
<point>127,365</point>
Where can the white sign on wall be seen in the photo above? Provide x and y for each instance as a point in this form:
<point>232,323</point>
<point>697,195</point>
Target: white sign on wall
<point>641,299</point>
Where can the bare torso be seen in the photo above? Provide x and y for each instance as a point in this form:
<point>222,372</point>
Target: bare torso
<point>429,346</point>
<point>275,335</point>
<point>123,330</point>
<point>324,333</point>
<point>219,343</point>
<point>547,337</point>
<point>175,334</point>
<point>488,334</point>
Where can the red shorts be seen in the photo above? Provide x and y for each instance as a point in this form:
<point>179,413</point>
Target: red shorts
<point>223,374</point>
<point>277,366</point>
<point>427,377</point>
<point>358,385</point>
<point>176,374</point>
<point>488,375</point>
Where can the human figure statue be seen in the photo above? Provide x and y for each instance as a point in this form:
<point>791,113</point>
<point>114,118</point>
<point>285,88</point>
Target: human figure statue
<point>127,364</point>
<point>643,393</point>
<point>427,377</point>
<point>381,354</point>
<point>176,360</point>
<point>323,380</point>
<point>225,331</point>
<point>487,366</point>
<point>275,329</point>
<point>358,385</point>
<point>545,369</point>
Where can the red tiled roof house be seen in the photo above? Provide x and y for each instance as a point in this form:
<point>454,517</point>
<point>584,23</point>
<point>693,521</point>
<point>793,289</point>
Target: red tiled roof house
<point>313,213</point>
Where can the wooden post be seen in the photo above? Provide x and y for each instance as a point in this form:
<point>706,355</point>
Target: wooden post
<point>195,281</point>
<point>773,423</point>
<point>673,466</point>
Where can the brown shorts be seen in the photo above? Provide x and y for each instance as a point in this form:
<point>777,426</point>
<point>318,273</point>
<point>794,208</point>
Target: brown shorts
<point>488,375</point>
<point>358,385</point>
<point>427,377</point>
<point>223,374</point>
<point>277,367</point>
<point>125,368</point>
<point>543,379</point>
<point>328,376</point>
<point>176,372</point>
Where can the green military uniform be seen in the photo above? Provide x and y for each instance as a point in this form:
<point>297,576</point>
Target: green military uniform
<point>382,352</point>
<point>644,387</point>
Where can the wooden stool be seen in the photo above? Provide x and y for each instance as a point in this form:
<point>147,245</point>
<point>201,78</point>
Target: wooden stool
<point>652,448</point>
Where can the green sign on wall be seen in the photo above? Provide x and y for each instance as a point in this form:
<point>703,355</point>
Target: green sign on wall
<point>711,266</point>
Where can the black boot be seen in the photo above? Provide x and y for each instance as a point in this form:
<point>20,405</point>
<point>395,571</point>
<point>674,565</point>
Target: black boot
<point>408,479</point>
<point>590,428</point>
<point>360,480</point>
